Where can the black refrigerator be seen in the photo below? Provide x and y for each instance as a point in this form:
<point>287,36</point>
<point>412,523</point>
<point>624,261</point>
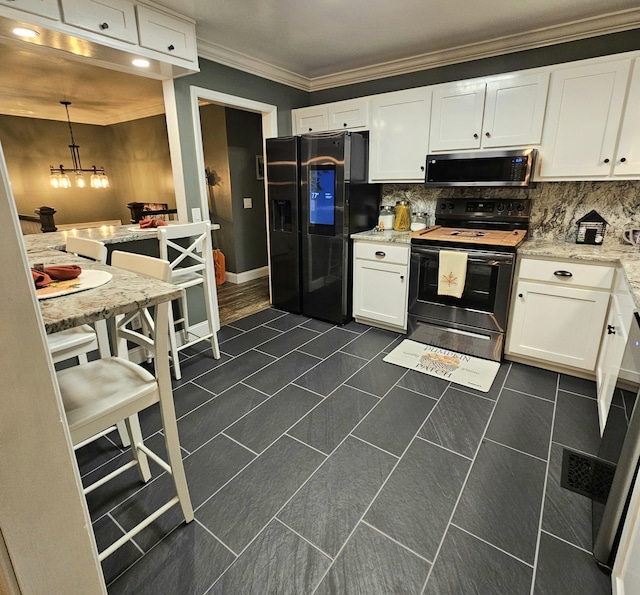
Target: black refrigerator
<point>317,195</point>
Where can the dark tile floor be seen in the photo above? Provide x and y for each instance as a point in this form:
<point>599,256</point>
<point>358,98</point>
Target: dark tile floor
<point>315,467</point>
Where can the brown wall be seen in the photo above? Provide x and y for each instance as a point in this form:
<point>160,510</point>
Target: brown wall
<point>134,154</point>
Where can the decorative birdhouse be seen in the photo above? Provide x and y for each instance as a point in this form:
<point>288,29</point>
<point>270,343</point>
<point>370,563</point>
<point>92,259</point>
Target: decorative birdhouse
<point>591,229</point>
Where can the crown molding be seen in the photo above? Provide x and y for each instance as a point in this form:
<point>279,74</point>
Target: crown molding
<point>94,117</point>
<point>146,111</point>
<point>576,30</point>
<point>240,61</point>
<point>581,29</point>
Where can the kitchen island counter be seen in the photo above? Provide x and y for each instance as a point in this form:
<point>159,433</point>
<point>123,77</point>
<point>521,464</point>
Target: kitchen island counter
<point>108,234</point>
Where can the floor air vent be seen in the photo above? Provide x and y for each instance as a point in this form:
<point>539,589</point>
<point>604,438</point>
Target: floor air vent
<point>586,475</point>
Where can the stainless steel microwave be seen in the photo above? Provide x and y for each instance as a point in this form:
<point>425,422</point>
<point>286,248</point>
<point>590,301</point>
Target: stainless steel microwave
<point>481,168</point>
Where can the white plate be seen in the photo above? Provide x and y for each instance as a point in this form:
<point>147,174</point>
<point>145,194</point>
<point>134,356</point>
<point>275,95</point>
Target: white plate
<point>88,279</point>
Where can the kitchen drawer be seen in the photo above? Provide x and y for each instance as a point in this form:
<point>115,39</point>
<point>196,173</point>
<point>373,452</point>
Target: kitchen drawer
<point>382,252</point>
<point>586,275</point>
<point>112,18</point>
<point>164,33</point>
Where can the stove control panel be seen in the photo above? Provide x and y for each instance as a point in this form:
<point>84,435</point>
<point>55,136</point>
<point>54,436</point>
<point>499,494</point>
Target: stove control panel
<point>494,209</point>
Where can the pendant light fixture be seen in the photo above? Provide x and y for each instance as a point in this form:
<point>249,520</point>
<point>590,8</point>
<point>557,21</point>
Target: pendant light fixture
<point>59,176</point>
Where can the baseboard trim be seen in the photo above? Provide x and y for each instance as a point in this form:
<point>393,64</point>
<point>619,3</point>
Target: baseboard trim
<point>553,367</point>
<point>239,278</point>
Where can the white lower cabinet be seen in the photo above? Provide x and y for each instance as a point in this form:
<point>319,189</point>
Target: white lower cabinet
<point>380,284</point>
<point>558,312</point>
<point>614,342</point>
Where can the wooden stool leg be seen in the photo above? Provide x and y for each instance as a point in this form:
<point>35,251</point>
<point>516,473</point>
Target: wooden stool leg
<point>175,460</point>
<point>173,346</point>
<point>133,427</point>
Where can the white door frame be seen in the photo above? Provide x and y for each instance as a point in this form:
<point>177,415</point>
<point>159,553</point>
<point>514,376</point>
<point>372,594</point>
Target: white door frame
<point>269,128</point>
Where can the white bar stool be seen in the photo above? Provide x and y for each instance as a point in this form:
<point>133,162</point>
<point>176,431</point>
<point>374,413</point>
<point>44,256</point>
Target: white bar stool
<point>81,340</point>
<point>106,391</point>
<point>191,263</point>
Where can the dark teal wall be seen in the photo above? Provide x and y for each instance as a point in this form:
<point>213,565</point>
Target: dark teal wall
<point>244,142</point>
<point>555,54</point>
<point>223,79</point>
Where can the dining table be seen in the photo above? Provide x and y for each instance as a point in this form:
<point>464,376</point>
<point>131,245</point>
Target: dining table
<point>123,293</point>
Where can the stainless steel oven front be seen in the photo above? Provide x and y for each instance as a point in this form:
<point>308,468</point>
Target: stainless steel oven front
<point>473,324</point>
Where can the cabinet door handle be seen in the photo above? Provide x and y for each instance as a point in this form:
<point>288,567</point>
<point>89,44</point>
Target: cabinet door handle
<point>310,129</point>
<point>104,26</point>
<point>606,160</point>
<point>171,48</point>
<point>623,159</point>
<point>487,134</point>
<point>380,253</point>
<point>563,274</point>
<point>611,330</point>
<point>520,295</point>
<point>345,124</point>
<point>422,168</point>
<point>475,136</point>
<point>401,277</point>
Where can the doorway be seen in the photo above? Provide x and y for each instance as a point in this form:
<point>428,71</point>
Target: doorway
<point>253,285</point>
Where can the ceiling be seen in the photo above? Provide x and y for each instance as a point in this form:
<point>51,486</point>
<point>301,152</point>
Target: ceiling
<point>309,44</point>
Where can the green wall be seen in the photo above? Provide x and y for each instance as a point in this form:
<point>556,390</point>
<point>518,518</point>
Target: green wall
<point>135,156</point>
<point>244,142</point>
<point>224,79</point>
<point>555,54</point>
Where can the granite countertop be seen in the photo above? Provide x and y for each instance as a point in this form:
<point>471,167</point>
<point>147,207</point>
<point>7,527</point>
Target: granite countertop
<point>109,234</point>
<point>373,235</point>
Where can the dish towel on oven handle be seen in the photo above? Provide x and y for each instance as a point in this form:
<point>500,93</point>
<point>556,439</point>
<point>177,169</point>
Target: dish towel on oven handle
<point>452,273</point>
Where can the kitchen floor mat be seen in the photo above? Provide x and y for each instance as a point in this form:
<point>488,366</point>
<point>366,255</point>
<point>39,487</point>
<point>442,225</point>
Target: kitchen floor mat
<point>458,368</point>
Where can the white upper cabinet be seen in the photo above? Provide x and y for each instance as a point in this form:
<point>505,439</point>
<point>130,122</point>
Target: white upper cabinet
<point>351,114</point>
<point>456,117</point>
<point>504,112</point>
<point>627,161</point>
<point>112,18</point>
<point>582,120</point>
<point>43,8</point>
<point>514,111</point>
<point>399,137</point>
<point>310,119</point>
<point>167,34</point>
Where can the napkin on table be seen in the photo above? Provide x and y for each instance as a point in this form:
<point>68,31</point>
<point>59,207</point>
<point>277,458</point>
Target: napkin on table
<point>63,272</point>
<point>48,275</point>
<point>146,223</point>
<point>40,279</point>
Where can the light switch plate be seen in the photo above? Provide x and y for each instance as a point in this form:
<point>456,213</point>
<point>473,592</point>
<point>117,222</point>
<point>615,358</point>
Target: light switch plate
<point>196,215</point>
<point>248,203</point>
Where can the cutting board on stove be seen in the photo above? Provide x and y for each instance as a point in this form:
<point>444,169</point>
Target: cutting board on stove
<point>437,233</point>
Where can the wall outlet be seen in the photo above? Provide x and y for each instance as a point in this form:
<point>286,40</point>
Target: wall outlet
<point>196,215</point>
<point>248,203</point>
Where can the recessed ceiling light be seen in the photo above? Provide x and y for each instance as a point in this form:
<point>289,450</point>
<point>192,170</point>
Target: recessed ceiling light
<point>21,32</point>
<point>140,63</point>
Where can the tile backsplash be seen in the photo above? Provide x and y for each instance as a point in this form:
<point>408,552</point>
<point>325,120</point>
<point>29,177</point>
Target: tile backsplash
<point>555,206</point>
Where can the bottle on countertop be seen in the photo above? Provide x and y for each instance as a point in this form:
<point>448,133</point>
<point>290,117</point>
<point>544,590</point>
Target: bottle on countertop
<point>387,215</point>
<point>403,216</point>
<point>419,221</point>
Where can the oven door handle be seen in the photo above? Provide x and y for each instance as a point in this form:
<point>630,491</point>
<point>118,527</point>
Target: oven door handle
<point>491,259</point>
